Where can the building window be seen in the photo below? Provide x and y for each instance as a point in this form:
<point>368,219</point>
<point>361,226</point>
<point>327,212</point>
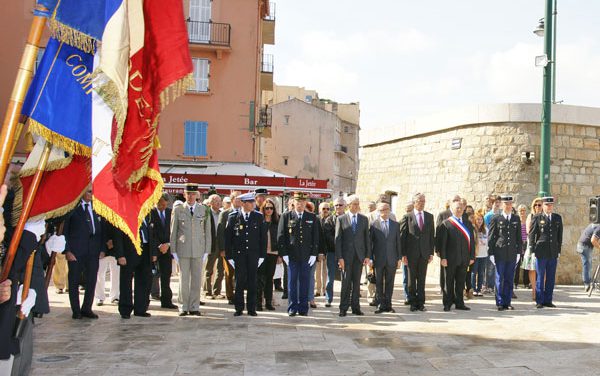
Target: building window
<point>285,161</point>
<point>201,75</point>
<point>308,98</point>
<point>346,129</point>
<point>286,119</point>
<point>195,139</point>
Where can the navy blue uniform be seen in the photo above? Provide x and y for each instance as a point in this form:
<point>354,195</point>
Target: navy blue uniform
<point>545,237</point>
<point>505,243</point>
<point>245,243</point>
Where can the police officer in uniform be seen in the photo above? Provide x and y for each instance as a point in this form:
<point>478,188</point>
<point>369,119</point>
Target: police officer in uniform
<point>298,237</point>
<point>505,245</point>
<point>545,236</point>
<point>245,249</point>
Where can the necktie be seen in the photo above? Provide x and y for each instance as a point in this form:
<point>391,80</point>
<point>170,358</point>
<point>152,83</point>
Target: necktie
<point>192,210</point>
<point>247,216</point>
<point>386,230</point>
<point>460,220</point>
<point>420,221</point>
<point>89,217</point>
<point>162,217</point>
<point>354,223</point>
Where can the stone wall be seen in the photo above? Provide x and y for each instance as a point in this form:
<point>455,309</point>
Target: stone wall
<point>489,161</point>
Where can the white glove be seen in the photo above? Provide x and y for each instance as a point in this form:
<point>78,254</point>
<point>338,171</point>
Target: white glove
<point>493,260</point>
<point>518,257</point>
<point>260,261</point>
<point>311,260</point>
<point>38,227</point>
<point>28,304</point>
<point>56,244</point>
<point>286,259</point>
<point>232,263</point>
<point>204,258</point>
<point>557,257</point>
<point>175,257</point>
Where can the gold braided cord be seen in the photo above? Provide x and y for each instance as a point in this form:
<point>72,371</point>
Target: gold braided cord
<point>67,144</point>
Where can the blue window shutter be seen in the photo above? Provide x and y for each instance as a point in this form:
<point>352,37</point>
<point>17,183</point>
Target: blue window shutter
<point>195,138</point>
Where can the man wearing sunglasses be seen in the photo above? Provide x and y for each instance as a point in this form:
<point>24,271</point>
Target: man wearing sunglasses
<point>339,206</point>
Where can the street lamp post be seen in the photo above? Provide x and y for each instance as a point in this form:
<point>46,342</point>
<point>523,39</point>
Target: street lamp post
<point>547,97</point>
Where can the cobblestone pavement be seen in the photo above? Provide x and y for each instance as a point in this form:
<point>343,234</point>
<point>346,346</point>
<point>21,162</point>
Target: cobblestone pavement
<point>483,341</point>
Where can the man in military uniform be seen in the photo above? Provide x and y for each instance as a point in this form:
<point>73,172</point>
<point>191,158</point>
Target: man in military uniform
<point>504,248</point>
<point>245,249</point>
<point>298,238</point>
<point>260,196</point>
<point>545,236</point>
<point>190,244</point>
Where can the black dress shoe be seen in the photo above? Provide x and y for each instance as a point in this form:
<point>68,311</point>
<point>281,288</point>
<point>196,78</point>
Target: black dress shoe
<point>379,310</point>
<point>413,308</point>
<point>539,306</point>
<point>509,307</point>
<point>550,305</point>
<point>184,313</point>
<point>284,296</point>
<point>292,313</point>
<point>358,312</point>
<point>303,314</point>
<point>446,308</point>
<point>202,303</point>
<point>406,302</point>
<point>463,308</point>
<point>195,313</point>
<point>313,305</point>
<point>142,314</point>
<point>422,308</point>
<point>89,315</point>
<point>269,307</point>
<point>327,304</point>
<point>373,304</point>
<point>501,308</point>
<point>76,316</point>
<point>125,316</point>
<point>169,306</point>
<point>342,314</point>
<point>237,313</point>
<point>391,310</point>
<point>252,313</point>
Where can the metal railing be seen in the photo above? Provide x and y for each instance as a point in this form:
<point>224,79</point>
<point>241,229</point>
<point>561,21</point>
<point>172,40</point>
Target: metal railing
<point>265,116</point>
<point>213,33</point>
<point>266,65</point>
<point>271,15</point>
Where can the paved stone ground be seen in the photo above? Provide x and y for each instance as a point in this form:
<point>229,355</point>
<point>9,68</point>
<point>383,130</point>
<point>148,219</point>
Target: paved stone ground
<point>526,341</point>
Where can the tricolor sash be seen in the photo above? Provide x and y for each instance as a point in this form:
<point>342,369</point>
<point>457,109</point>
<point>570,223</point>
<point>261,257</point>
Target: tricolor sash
<point>461,227</point>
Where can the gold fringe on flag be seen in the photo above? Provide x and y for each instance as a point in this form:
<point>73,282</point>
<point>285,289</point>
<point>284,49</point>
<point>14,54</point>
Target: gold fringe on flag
<point>175,90</point>
<point>70,146</point>
<point>71,36</point>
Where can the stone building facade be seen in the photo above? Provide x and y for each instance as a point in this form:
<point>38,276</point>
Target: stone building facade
<point>487,149</point>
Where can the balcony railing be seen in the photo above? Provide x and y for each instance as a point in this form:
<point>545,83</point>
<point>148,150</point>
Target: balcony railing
<point>265,116</point>
<point>212,33</point>
<point>266,65</point>
<point>271,15</point>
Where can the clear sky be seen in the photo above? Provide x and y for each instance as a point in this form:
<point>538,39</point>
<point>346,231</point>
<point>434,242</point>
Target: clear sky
<point>405,58</point>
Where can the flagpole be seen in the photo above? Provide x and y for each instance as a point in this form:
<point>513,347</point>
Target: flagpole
<point>27,205</point>
<point>10,130</point>
<point>27,282</point>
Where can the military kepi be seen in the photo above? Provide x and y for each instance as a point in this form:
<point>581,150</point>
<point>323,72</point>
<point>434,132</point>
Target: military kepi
<point>506,198</point>
<point>247,197</point>
<point>261,191</point>
<point>300,196</point>
<point>548,200</point>
<point>191,187</point>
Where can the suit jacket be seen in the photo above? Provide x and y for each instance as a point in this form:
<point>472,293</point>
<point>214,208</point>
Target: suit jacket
<point>80,240</point>
<point>348,243</point>
<point>417,242</point>
<point>298,239</point>
<point>454,247</point>
<point>221,228</point>
<point>124,248</point>
<point>214,244</point>
<point>546,236</point>
<point>245,238</point>
<point>441,217</point>
<point>504,239</point>
<point>160,233</point>
<point>386,250</point>
<point>191,236</point>
<point>328,230</point>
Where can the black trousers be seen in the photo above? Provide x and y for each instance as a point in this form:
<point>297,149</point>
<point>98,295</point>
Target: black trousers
<point>417,273</point>
<point>88,266</point>
<point>141,274</point>
<point>209,287</point>
<point>265,279</point>
<point>453,285</point>
<point>245,279</point>
<point>351,284</point>
<point>165,269</point>
<point>384,285</point>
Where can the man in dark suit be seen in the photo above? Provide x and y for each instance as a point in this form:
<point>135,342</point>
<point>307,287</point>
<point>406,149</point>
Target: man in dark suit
<point>236,204</point>
<point>215,258</point>
<point>328,230</point>
<point>84,241</point>
<point>457,251</point>
<point>385,238</point>
<point>546,236</point>
<point>160,237</point>
<point>418,237</point>
<point>246,249</point>
<point>352,250</point>
<point>136,267</point>
<point>504,248</point>
<point>298,240</point>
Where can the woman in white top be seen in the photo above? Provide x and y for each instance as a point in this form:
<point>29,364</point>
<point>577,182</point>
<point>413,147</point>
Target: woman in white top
<point>481,252</point>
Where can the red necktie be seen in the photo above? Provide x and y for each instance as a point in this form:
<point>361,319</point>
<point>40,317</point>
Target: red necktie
<point>420,221</point>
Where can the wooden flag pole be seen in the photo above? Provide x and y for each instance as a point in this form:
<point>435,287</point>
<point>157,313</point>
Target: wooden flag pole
<point>10,129</point>
<point>27,282</point>
<point>27,205</point>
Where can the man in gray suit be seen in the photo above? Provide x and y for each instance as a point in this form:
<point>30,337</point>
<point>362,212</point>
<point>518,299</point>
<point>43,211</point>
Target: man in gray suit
<point>385,237</point>
<point>352,250</point>
<point>191,239</point>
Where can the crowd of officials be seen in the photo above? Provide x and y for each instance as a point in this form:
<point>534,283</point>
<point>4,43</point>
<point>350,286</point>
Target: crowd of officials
<point>242,240</point>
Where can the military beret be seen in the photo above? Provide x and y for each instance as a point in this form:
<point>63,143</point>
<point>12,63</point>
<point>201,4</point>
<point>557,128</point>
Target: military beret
<point>261,191</point>
<point>300,196</point>
<point>247,197</point>
<point>191,187</point>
